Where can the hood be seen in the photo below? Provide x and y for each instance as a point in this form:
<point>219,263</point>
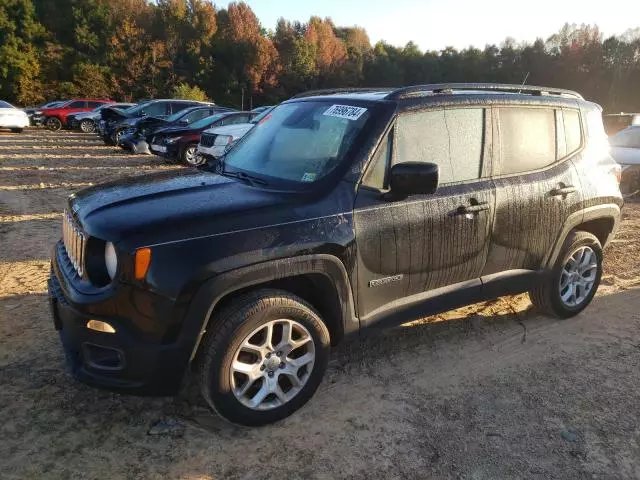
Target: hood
<point>626,155</point>
<point>235,131</point>
<point>184,199</point>
<point>113,113</point>
<point>83,115</point>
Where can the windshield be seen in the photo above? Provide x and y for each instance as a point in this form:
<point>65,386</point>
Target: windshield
<point>205,122</point>
<point>299,142</point>
<point>178,115</point>
<point>4,104</point>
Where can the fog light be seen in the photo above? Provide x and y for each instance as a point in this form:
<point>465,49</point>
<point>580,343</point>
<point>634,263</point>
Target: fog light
<point>99,326</point>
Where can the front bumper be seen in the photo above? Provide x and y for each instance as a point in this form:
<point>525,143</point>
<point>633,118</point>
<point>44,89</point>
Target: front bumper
<point>167,151</point>
<point>11,121</point>
<point>123,361</point>
<point>134,144</point>
<point>211,152</point>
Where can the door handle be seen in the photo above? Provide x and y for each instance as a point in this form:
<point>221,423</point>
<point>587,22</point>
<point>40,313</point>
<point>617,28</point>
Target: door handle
<point>466,209</point>
<point>562,191</point>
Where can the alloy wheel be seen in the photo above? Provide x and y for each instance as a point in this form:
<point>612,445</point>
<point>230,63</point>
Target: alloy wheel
<point>272,365</point>
<point>87,126</point>
<point>53,124</point>
<point>192,157</point>
<point>578,276</point>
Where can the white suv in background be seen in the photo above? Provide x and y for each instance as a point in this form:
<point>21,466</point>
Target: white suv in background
<point>216,141</point>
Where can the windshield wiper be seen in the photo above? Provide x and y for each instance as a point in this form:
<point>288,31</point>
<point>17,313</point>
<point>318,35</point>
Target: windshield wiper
<point>250,179</point>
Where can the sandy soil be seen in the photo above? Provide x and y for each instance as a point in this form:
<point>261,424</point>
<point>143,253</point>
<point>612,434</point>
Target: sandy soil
<point>488,391</point>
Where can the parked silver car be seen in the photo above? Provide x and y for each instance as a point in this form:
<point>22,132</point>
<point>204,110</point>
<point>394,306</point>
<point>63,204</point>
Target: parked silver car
<point>625,149</point>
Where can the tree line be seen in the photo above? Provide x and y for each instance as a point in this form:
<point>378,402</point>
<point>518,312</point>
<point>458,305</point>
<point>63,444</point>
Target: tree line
<point>133,49</point>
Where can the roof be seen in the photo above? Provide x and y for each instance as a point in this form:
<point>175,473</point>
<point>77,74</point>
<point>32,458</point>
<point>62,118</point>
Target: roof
<point>439,89</point>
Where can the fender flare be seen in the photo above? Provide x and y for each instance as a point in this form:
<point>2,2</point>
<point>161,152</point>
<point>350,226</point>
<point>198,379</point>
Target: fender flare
<point>212,291</point>
<point>609,210</point>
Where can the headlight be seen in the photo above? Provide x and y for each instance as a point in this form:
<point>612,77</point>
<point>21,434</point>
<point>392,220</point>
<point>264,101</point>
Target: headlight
<point>173,140</point>
<point>110,259</point>
<point>222,140</point>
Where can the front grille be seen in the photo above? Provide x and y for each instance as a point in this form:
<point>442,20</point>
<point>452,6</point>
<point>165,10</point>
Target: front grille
<point>207,140</point>
<point>74,241</point>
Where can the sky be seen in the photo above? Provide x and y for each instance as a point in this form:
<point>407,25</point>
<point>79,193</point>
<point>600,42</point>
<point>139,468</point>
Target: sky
<point>436,24</point>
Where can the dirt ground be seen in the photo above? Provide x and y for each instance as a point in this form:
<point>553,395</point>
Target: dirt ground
<point>484,392</point>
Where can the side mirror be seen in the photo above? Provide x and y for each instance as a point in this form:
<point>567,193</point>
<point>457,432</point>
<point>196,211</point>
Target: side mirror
<point>184,122</point>
<point>413,178</point>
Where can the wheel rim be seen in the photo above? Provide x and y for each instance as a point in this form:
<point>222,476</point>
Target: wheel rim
<point>192,157</point>
<point>578,276</point>
<point>86,126</point>
<point>53,124</point>
<point>118,135</point>
<point>272,365</point>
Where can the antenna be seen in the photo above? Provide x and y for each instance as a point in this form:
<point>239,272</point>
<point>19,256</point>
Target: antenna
<point>524,82</point>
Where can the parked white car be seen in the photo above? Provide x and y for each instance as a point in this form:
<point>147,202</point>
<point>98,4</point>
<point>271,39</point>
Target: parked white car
<point>214,142</point>
<point>12,117</point>
<point>625,149</point>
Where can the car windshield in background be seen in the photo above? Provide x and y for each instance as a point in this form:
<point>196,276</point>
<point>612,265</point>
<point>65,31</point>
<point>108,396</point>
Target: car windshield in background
<point>4,104</point>
<point>299,142</point>
<point>205,122</point>
<point>178,115</point>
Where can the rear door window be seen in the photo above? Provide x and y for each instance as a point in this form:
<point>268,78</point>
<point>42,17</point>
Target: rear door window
<point>95,104</point>
<point>156,109</point>
<point>78,104</point>
<point>527,139</point>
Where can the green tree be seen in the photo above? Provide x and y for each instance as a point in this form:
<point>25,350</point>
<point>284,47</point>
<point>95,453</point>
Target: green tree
<point>188,92</point>
<point>20,34</point>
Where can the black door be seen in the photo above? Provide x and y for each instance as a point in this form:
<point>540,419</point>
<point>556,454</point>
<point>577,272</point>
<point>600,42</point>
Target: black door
<point>537,186</point>
<point>425,242</point>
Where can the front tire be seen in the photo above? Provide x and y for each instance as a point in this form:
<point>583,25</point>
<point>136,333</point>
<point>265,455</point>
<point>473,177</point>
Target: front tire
<point>190,156</point>
<point>87,126</point>
<point>52,123</point>
<point>574,280</point>
<point>117,135</point>
<point>263,357</point>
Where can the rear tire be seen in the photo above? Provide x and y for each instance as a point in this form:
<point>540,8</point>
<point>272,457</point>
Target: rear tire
<point>574,280</point>
<point>17,130</point>
<point>251,372</point>
<point>52,123</point>
<point>87,126</point>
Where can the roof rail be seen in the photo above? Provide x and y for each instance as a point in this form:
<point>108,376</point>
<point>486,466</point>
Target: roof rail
<point>331,91</point>
<point>418,90</point>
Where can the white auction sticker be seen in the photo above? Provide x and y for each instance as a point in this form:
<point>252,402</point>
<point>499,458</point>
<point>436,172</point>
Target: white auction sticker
<point>309,177</point>
<point>345,111</point>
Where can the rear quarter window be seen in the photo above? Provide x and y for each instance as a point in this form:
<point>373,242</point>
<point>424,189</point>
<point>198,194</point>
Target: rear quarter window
<point>572,130</point>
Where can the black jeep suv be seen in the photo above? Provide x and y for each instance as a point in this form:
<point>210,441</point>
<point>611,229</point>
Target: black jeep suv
<point>339,211</point>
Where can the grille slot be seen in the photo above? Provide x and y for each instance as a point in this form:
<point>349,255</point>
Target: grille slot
<point>207,140</point>
<point>75,242</point>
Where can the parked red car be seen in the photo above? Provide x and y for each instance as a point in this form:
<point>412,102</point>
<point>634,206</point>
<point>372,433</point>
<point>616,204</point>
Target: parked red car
<point>56,118</point>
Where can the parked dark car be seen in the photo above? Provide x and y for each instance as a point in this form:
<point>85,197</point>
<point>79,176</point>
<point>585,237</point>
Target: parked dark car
<point>87,121</point>
<point>340,211</point>
<point>118,121</point>
<point>180,142</point>
<point>35,113</point>
<point>56,118</point>
<point>136,138</point>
